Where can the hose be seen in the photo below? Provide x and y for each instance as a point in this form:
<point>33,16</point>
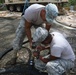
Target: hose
<point>26,5</point>
<point>4,52</point>
<point>22,68</point>
<point>18,68</point>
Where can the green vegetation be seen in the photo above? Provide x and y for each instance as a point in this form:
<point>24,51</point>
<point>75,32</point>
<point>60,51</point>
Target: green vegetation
<point>72,2</point>
<point>2,1</point>
<point>2,6</point>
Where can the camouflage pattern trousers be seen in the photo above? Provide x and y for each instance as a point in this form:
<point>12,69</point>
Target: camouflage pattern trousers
<point>55,67</point>
<point>20,34</point>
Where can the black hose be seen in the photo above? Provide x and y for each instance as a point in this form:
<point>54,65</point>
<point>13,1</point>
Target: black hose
<point>21,68</point>
<point>4,52</point>
<point>18,68</point>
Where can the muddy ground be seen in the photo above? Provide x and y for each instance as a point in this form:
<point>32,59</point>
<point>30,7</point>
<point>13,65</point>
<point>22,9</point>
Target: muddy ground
<point>9,21</point>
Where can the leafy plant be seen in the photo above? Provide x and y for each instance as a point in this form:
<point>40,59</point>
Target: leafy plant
<point>2,1</point>
<point>72,2</point>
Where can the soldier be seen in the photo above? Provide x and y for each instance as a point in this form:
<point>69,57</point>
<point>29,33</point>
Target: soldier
<point>61,57</point>
<point>35,15</point>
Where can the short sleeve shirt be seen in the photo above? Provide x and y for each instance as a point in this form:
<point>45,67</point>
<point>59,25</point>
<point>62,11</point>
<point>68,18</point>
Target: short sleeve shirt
<point>32,14</point>
<point>60,47</point>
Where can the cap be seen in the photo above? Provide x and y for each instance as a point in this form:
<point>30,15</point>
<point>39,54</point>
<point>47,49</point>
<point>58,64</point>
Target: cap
<point>40,35</point>
<point>51,12</point>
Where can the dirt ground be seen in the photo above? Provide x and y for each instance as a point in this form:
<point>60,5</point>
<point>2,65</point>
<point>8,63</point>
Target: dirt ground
<point>8,24</point>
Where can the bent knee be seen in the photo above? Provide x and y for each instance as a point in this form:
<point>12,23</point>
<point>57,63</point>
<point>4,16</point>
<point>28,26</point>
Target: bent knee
<point>50,64</point>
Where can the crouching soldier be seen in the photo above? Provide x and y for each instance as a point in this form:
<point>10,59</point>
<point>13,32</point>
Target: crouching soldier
<point>61,57</point>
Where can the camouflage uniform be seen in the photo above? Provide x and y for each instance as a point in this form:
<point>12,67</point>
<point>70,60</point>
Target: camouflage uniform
<point>20,34</point>
<point>55,67</point>
<point>17,43</point>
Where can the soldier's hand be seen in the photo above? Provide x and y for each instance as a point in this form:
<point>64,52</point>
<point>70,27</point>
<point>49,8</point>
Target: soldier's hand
<point>40,48</point>
<point>35,53</point>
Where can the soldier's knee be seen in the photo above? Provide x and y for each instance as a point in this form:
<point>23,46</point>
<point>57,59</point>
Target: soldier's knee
<point>51,68</point>
<point>49,64</point>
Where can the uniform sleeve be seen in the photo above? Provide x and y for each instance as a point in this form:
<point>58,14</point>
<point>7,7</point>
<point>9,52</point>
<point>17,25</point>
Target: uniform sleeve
<point>56,51</point>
